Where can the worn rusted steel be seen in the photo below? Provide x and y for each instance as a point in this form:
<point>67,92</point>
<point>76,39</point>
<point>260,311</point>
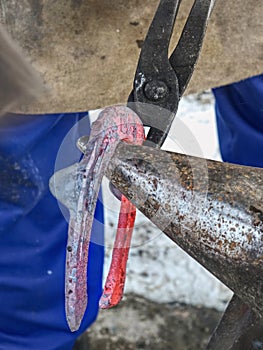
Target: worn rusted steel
<point>213,210</point>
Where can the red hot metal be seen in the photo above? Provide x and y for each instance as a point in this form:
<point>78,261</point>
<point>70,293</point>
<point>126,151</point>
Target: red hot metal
<point>114,124</point>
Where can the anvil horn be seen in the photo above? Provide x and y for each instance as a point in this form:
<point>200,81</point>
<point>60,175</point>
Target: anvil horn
<point>213,210</point>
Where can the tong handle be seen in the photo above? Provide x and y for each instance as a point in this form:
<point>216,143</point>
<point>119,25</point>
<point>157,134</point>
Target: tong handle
<point>186,53</point>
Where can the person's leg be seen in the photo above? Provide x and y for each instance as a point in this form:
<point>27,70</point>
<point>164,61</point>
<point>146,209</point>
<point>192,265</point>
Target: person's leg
<point>239,113</point>
<point>33,235</point>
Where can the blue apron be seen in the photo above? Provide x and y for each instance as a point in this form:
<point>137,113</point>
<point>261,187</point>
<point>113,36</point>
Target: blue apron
<point>33,235</point>
<point>239,113</point>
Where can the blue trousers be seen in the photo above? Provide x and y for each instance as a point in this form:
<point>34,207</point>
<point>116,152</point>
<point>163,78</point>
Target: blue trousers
<point>239,113</point>
<point>33,235</point>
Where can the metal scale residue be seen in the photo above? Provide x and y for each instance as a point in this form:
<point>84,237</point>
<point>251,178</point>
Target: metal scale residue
<point>212,210</point>
<point>114,124</point>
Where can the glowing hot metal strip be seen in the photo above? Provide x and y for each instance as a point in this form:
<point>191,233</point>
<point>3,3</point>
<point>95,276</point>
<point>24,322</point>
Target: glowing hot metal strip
<point>113,125</point>
<point>114,285</point>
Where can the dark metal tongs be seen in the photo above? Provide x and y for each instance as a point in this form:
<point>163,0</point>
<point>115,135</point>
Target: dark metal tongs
<point>160,82</point>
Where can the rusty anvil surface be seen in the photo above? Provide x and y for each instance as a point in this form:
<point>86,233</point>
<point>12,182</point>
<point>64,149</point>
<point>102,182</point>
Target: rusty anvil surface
<point>87,50</point>
<point>213,210</point>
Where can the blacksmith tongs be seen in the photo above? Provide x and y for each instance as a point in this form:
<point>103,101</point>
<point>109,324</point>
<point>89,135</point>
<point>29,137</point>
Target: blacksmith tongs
<point>160,82</point>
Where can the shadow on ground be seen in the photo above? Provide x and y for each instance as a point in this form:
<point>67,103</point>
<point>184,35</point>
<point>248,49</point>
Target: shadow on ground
<point>138,323</point>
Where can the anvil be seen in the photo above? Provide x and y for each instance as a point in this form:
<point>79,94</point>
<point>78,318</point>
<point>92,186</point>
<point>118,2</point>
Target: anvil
<point>213,211</point>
